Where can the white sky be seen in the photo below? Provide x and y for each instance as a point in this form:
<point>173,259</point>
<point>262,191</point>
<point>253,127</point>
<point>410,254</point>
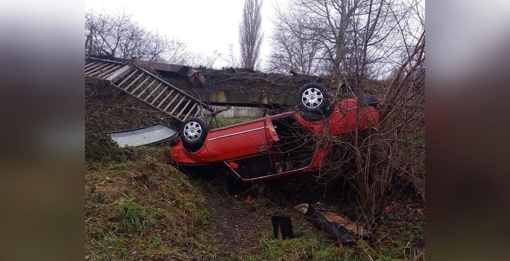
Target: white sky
<point>205,25</point>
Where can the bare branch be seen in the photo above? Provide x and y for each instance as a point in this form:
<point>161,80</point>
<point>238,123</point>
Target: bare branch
<point>119,36</point>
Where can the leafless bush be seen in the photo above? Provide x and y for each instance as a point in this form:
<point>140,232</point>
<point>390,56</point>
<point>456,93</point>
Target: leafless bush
<point>394,149</point>
<point>364,41</point>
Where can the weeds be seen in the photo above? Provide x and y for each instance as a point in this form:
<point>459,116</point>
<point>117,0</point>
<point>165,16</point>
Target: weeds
<point>310,247</point>
<point>140,208</point>
<point>134,216</point>
<point>144,209</point>
<point>203,216</point>
<point>155,241</point>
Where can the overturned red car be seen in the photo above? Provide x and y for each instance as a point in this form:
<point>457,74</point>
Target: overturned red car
<point>275,146</point>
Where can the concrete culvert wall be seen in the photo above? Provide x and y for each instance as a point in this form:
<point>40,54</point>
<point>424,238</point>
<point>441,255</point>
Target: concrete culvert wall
<point>240,112</point>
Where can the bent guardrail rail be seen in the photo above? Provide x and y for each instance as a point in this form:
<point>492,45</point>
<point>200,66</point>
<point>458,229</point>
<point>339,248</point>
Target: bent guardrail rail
<point>147,88</point>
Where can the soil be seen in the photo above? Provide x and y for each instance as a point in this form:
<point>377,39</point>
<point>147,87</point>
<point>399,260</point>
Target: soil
<point>239,225</point>
<point>234,225</point>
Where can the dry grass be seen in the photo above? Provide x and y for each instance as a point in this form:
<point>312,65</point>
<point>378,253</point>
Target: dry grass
<point>140,208</point>
<point>143,210</point>
<point>246,231</point>
<point>108,110</point>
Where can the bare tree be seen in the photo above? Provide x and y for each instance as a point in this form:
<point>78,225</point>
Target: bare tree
<point>118,36</point>
<point>364,41</point>
<point>328,20</point>
<point>250,34</point>
<point>355,37</point>
<point>291,52</point>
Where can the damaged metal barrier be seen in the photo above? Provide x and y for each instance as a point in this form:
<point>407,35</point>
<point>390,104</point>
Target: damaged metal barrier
<point>142,136</point>
<point>340,227</point>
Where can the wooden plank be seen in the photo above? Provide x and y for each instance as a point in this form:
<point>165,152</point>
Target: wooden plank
<point>146,88</point>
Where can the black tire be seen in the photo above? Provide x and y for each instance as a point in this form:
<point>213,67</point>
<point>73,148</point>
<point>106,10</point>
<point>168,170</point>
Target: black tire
<point>313,98</point>
<point>315,117</point>
<point>193,133</point>
<point>329,110</point>
<point>174,141</point>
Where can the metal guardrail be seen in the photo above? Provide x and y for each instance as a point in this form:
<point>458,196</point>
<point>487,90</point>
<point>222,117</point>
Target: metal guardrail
<point>147,88</point>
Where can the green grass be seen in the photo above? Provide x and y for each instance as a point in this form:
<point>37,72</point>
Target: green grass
<point>316,245</point>
<point>417,139</point>
<point>396,234</point>
<point>310,247</point>
<point>221,122</point>
<point>203,215</point>
<point>134,217</point>
<point>144,209</point>
<point>155,241</point>
<point>137,207</point>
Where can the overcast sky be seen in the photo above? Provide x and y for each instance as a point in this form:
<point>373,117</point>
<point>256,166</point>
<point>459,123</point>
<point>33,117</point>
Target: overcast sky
<point>205,25</point>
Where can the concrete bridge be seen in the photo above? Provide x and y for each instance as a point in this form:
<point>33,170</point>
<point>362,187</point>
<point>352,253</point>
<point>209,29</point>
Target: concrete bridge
<point>245,103</point>
<point>251,97</point>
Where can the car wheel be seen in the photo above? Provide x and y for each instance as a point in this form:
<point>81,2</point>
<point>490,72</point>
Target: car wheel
<point>316,117</point>
<point>193,133</point>
<point>313,98</point>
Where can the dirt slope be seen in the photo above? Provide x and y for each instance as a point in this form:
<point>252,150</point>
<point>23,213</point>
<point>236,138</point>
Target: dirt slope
<point>140,208</point>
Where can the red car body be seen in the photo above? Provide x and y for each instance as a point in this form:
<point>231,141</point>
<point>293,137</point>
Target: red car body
<point>261,149</point>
